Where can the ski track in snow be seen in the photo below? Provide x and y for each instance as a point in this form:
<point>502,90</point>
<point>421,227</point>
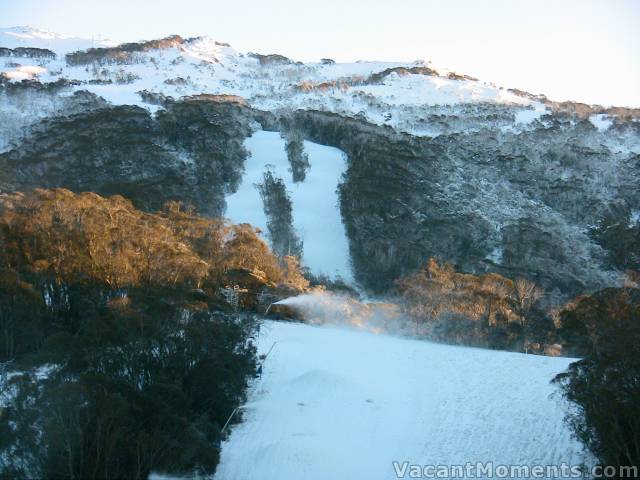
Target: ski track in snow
<point>316,214</point>
<point>340,404</point>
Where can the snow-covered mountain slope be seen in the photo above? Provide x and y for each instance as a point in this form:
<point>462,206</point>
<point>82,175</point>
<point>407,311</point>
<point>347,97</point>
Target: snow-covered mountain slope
<point>340,404</point>
<point>383,92</point>
<point>399,94</point>
<point>314,200</point>
<point>25,36</point>
<point>437,164</point>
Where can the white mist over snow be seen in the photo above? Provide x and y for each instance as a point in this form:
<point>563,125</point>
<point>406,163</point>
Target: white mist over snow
<point>316,212</point>
<point>328,308</point>
<point>343,405</point>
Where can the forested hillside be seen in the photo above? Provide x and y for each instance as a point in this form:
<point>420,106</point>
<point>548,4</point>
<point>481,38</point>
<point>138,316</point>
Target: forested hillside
<point>125,356</point>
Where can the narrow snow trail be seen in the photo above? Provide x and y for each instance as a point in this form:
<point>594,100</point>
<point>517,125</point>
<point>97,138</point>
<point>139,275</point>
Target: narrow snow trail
<point>316,213</point>
<point>342,404</point>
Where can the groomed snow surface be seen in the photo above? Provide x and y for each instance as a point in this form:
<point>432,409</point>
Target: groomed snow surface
<point>316,212</point>
<point>336,404</point>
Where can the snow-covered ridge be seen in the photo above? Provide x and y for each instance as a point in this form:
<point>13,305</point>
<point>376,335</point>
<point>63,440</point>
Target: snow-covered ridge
<point>26,33</point>
<point>385,93</point>
<point>203,65</point>
<point>25,36</point>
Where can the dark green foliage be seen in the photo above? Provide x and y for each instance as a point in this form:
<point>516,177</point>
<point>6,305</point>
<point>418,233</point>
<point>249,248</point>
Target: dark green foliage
<point>134,391</point>
<point>278,210</point>
<point>592,317</point>
<point>298,158</point>
<point>406,198</point>
<point>192,151</point>
<point>619,234</point>
<point>605,386</point>
<point>211,129</point>
<point>30,52</point>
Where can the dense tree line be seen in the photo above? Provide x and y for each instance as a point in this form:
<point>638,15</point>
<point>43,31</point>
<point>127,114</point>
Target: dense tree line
<point>296,155</point>
<point>121,54</point>
<point>279,213</point>
<point>482,310</point>
<point>619,233</point>
<point>605,385</point>
<point>140,388</point>
<point>603,328</point>
<point>490,310</point>
<point>131,360</point>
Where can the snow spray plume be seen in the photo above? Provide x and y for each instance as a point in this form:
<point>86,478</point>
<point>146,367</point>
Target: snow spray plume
<point>338,309</point>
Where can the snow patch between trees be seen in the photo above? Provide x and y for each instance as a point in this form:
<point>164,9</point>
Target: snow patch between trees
<point>316,213</point>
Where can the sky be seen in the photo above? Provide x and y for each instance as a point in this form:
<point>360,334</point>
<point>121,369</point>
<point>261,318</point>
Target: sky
<point>582,50</point>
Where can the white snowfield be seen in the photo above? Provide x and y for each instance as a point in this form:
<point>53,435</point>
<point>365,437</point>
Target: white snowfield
<point>339,404</point>
<point>316,216</point>
<point>25,36</point>
<point>206,66</point>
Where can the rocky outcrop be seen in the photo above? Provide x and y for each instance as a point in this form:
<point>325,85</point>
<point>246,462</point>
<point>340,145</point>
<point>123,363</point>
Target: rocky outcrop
<point>271,59</point>
<point>380,76</point>
<point>458,76</point>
